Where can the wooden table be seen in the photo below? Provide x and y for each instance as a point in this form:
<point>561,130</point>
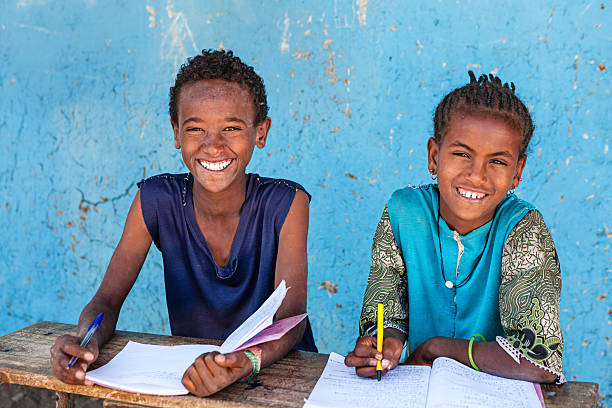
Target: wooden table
<point>24,360</point>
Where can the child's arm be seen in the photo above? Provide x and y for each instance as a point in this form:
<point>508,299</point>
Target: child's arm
<point>387,285</point>
<point>489,357</point>
<point>122,271</point>
<point>529,303</point>
<point>212,372</point>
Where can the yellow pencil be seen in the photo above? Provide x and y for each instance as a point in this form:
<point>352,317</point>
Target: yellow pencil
<point>379,339</point>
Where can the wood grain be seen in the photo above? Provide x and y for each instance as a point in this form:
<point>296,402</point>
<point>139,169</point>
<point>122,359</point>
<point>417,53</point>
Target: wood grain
<point>25,360</point>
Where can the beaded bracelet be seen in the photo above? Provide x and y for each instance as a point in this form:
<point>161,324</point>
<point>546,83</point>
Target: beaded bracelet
<point>253,354</point>
<point>470,350</point>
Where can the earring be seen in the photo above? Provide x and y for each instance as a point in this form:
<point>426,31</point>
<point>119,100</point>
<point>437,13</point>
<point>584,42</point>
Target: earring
<point>511,191</point>
<point>520,179</point>
<point>433,174</point>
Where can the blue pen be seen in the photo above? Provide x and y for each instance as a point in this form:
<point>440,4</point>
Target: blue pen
<point>90,332</point>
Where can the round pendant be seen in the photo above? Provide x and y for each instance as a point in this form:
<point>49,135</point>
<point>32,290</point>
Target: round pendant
<point>449,284</point>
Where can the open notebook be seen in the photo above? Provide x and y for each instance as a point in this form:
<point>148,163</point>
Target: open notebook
<point>446,384</point>
<point>158,370</point>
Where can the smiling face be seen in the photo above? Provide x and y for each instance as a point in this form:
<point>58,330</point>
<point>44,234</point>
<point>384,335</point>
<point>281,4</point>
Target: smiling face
<point>216,132</point>
<point>477,162</point>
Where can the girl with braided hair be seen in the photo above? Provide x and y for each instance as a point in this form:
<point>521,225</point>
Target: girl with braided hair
<point>464,258</point>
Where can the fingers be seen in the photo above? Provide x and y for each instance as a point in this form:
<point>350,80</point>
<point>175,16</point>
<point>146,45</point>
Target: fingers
<point>193,381</point>
<point>364,354</point>
<point>370,371</point>
<point>197,377</point>
<point>212,372</point>
<point>233,360</point>
<point>62,351</point>
<point>74,349</point>
<point>392,351</point>
<point>93,348</point>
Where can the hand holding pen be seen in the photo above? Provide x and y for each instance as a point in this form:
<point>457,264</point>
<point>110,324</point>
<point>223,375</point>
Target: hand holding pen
<point>71,356</point>
<point>379,338</point>
<point>366,357</point>
<point>90,332</point>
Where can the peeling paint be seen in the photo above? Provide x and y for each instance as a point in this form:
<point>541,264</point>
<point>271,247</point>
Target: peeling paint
<point>331,70</point>
<point>362,11</point>
<point>303,55</point>
<point>172,46</point>
<point>330,287</point>
<point>152,13</point>
<point>284,46</point>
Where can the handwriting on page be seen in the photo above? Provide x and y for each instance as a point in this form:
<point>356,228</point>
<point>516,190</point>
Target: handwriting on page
<point>339,386</point>
<point>454,385</point>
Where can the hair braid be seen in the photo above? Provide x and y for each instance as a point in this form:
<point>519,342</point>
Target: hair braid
<point>485,94</point>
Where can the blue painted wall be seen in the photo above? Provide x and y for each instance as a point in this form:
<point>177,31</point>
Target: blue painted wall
<point>352,86</point>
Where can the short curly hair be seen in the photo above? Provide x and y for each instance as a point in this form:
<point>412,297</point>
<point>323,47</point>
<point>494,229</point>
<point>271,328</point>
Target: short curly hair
<point>223,65</point>
<point>485,95</point>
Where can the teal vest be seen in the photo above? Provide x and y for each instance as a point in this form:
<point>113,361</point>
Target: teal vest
<point>434,309</point>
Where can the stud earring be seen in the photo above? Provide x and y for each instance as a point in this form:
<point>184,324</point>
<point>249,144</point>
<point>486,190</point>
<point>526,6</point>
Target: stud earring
<point>433,174</point>
<point>520,179</point>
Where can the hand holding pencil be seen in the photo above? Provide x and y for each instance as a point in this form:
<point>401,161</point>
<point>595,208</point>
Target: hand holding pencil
<point>372,356</point>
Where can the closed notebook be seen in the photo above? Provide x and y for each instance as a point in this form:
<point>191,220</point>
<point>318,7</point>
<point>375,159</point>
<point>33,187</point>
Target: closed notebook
<point>447,383</point>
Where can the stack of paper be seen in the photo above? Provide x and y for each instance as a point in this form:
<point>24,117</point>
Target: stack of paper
<point>158,370</point>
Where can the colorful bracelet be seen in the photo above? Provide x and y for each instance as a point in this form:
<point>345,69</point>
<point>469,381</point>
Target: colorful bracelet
<point>470,350</point>
<point>253,354</point>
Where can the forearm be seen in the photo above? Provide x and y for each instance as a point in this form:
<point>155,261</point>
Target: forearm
<point>273,351</point>
<point>489,357</point>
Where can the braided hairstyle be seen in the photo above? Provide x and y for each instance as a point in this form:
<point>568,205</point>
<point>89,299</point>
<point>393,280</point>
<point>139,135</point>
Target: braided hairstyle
<point>485,95</point>
<point>220,65</point>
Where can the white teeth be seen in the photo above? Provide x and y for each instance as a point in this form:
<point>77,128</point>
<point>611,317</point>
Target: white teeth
<point>470,194</point>
<point>215,166</point>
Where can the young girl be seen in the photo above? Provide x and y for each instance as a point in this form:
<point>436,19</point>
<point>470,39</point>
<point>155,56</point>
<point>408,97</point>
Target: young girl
<point>227,238</point>
<point>465,258</point>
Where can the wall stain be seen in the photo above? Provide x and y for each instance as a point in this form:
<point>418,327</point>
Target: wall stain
<point>330,287</point>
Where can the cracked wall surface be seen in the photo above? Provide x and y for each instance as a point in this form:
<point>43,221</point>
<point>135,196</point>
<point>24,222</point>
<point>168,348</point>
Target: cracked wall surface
<point>352,86</point>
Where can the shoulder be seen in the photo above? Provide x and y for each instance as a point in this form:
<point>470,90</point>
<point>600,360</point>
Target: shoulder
<point>413,200</point>
<point>164,182</point>
<point>511,204</point>
<point>412,193</point>
<point>165,190</point>
<point>275,187</point>
<point>528,245</point>
<point>531,228</point>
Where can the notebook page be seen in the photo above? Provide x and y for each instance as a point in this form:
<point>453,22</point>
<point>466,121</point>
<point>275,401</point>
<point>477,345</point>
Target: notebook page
<point>339,386</point>
<point>275,331</point>
<point>149,369</point>
<point>262,318</point>
<point>453,384</point>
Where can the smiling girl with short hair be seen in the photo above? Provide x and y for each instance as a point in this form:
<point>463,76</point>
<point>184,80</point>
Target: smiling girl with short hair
<point>227,238</point>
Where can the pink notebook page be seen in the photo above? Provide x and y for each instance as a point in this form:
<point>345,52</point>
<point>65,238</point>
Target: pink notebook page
<point>274,331</point>
<point>539,392</point>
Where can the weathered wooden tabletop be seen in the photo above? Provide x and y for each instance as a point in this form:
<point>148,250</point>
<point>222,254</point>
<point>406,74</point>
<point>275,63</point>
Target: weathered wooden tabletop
<point>24,359</point>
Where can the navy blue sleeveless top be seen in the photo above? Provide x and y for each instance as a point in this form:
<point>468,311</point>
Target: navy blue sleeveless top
<point>205,300</point>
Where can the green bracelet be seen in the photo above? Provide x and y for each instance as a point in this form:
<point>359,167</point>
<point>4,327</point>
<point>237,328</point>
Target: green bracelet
<point>470,350</point>
<point>255,360</point>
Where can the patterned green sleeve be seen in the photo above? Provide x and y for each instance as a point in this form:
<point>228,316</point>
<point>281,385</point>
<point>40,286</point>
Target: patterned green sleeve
<point>386,283</point>
<point>529,296</point>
